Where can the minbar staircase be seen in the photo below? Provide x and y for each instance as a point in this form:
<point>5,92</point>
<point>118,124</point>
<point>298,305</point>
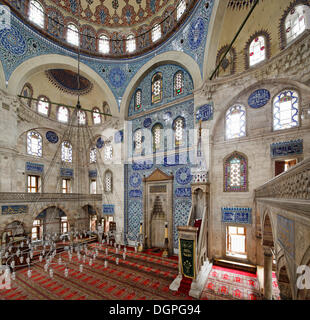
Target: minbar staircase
<point>197,231</point>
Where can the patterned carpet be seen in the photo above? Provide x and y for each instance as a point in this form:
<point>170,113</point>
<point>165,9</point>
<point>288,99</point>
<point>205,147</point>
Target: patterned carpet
<point>139,277</point>
<point>228,284</point>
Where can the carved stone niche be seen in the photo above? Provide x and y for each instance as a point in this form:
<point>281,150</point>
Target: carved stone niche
<point>158,209</point>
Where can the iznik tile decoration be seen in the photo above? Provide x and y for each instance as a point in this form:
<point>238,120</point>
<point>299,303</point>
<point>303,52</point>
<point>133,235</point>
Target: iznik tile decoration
<point>176,164</point>
<point>237,215</point>
<point>286,235</point>
<point>34,167</point>
<point>51,137</point>
<point>108,209</point>
<point>205,112</point>
<point>99,143</point>
<point>9,210</point>
<point>119,137</point>
<point>259,98</point>
<point>92,173</point>
<point>282,149</point>
<point>21,42</point>
<point>66,172</point>
<point>168,71</point>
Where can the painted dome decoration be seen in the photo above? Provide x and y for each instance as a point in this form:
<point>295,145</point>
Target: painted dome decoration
<point>67,81</point>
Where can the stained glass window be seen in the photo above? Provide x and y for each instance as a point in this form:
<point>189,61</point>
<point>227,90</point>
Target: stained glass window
<point>257,51</point>
<point>235,122</point>
<point>93,155</point>
<point>81,117</point>
<point>157,83</point>
<point>96,116</point>
<point>108,151</point>
<point>43,106</point>
<point>108,181</point>
<point>72,34</point>
<point>157,136</point>
<point>34,144</point>
<point>27,91</point>
<point>286,110</point>
<point>156,32</point>
<point>138,139</point>
<point>236,173</point>
<point>131,43</point>
<point>178,126</point>
<point>36,13</point>
<point>103,44</point>
<point>178,83</point>
<point>66,151</point>
<point>295,22</point>
<point>63,114</point>
<point>138,100</point>
<point>181,9</point>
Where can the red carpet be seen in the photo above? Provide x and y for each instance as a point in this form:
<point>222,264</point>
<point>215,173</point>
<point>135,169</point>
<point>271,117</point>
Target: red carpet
<point>185,285</point>
<point>229,284</point>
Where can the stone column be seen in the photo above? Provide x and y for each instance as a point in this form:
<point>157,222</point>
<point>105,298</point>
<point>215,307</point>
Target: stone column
<point>268,257</point>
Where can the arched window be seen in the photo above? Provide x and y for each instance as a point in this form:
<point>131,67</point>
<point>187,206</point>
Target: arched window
<point>286,110</point>
<point>131,43</point>
<point>66,152</point>
<point>156,133</point>
<point>236,173</point>
<point>138,100</point>
<point>157,86</point>
<point>156,32</point>
<point>178,83</point>
<point>96,116</point>
<point>178,127</point>
<point>36,13</point>
<point>93,155</point>
<point>34,144</point>
<point>181,9</point>
<point>27,91</point>
<point>257,51</point>
<point>108,151</point>
<point>81,117</point>
<point>72,34</point>
<point>138,140</point>
<point>63,114</point>
<point>108,182</point>
<point>103,44</point>
<point>43,106</point>
<point>296,22</point>
<point>235,122</point>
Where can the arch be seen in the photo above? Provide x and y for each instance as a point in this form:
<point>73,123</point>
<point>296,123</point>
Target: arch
<point>40,63</point>
<point>172,57</point>
<point>215,30</point>
<point>268,235</point>
<point>283,277</point>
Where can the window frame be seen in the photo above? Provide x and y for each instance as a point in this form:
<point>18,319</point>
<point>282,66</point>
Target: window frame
<point>42,18</point>
<point>135,100</point>
<point>101,40</point>
<point>37,186</point>
<point>175,93</point>
<point>68,187</point>
<point>71,152</point>
<point>76,31</point>
<point>99,116</point>
<point>179,143</point>
<point>49,106</point>
<point>156,28</point>
<point>68,112</point>
<point>131,41</point>
<point>229,252</point>
<point>245,120</point>
<point>299,110</point>
<point>111,182</point>
<point>30,153</point>
<point>160,96</point>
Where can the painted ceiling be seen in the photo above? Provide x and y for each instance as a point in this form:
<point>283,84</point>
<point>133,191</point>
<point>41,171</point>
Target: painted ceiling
<point>240,4</point>
<point>116,13</point>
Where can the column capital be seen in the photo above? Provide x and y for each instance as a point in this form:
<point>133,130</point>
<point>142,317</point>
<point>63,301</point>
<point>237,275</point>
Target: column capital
<point>268,251</point>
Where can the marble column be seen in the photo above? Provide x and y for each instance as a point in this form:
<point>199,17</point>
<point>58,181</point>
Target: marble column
<point>268,258</point>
